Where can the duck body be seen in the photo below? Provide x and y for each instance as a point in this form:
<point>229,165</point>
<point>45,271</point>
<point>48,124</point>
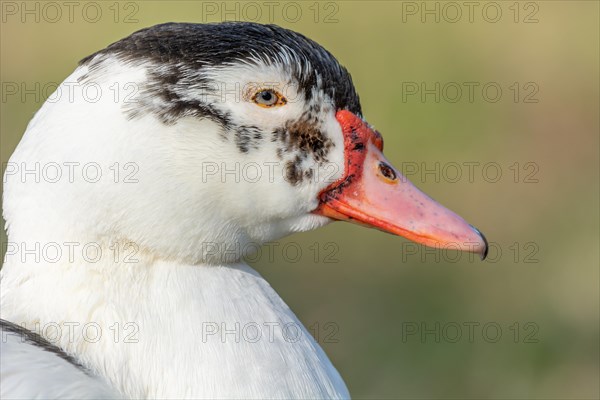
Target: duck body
<point>180,315</point>
<point>221,332</point>
<point>143,283</point>
<point>227,334</point>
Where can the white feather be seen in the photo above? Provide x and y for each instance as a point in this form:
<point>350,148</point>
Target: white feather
<point>30,372</point>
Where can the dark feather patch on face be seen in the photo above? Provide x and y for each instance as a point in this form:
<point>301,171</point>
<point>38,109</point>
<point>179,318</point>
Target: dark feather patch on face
<point>247,137</point>
<point>171,87</point>
<point>305,136</point>
<point>293,172</point>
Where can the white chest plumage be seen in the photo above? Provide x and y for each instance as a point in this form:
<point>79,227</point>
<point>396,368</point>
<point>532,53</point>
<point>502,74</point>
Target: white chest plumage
<point>184,332</point>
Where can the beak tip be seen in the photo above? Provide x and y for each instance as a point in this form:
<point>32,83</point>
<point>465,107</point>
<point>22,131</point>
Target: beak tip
<point>484,253</point>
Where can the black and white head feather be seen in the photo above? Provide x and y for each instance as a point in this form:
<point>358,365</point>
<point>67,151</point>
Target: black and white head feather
<point>185,62</point>
<point>183,51</point>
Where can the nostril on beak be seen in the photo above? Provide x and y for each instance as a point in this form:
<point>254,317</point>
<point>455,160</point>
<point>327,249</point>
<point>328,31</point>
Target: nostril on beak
<point>387,171</point>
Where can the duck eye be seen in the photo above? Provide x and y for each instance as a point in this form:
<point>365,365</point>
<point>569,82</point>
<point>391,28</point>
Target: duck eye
<point>268,98</point>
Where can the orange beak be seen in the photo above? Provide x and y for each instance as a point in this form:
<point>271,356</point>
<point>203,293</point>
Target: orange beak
<point>375,194</point>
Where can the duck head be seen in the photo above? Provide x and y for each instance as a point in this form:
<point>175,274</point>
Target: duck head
<point>229,134</point>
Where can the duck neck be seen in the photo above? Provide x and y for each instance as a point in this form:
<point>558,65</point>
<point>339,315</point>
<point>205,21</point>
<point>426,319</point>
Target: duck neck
<point>157,328</point>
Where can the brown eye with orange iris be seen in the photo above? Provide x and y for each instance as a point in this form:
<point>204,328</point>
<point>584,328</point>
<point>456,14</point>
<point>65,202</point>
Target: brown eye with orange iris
<point>268,98</point>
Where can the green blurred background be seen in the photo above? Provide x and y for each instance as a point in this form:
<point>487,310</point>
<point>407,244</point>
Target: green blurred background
<point>369,296</point>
